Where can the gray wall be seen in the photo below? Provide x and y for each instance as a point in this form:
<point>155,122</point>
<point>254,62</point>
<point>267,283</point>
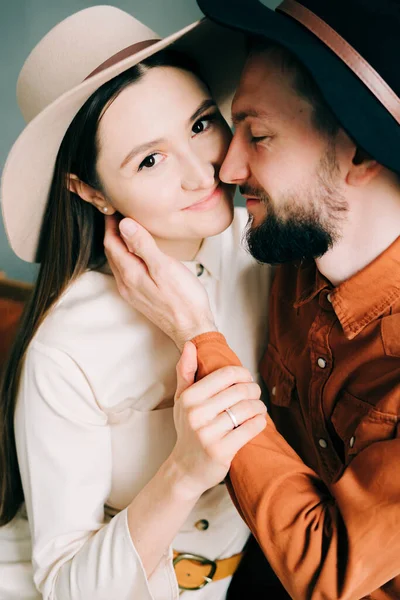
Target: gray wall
<point>22,24</point>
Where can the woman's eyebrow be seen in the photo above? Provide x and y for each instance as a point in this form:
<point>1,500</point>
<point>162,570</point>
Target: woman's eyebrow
<point>203,106</point>
<point>139,150</point>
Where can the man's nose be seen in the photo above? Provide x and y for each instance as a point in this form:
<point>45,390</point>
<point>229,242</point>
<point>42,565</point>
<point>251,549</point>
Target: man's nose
<point>235,168</point>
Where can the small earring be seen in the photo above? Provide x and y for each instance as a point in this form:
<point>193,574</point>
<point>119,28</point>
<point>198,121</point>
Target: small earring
<point>105,209</point>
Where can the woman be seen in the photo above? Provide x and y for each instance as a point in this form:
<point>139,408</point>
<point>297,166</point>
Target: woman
<point>117,489</point>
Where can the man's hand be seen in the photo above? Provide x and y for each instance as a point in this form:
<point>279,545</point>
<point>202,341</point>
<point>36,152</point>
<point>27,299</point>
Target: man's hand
<point>159,287</point>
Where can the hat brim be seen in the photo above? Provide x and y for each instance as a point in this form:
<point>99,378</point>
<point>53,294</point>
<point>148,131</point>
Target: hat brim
<point>28,171</point>
<point>359,112</point>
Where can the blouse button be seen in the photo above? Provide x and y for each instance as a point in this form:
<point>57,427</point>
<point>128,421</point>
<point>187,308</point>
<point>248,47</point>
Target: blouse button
<point>202,525</point>
<point>199,269</point>
<point>352,441</point>
<point>323,443</point>
<point>273,391</point>
<point>321,363</point>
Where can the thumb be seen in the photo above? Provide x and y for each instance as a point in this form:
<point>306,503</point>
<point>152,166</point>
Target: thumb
<point>186,369</point>
<point>141,243</point>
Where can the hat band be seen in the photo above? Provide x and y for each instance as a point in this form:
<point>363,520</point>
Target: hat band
<point>364,71</point>
<point>116,58</point>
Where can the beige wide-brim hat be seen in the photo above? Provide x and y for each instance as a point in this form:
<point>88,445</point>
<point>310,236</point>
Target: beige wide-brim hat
<point>65,68</point>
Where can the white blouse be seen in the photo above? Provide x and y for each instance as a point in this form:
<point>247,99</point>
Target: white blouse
<point>89,435</point>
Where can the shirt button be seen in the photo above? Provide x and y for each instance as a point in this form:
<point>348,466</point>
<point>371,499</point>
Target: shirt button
<point>323,443</point>
<point>202,525</point>
<point>321,363</point>
<point>352,441</point>
<point>199,269</point>
<point>273,391</point>
<point>329,298</point>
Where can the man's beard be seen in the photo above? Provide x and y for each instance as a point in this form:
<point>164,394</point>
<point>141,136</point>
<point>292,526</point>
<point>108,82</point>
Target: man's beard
<point>308,227</point>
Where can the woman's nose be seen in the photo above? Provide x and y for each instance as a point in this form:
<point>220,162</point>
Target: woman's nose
<point>199,174</point>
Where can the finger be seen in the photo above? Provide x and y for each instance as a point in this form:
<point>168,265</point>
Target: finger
<point>236,393</point>
<point>186,368</point>
<point>114,245</point>
<point>239,437</point>
<point>128,266</point>
<point>223,424</point>
<point>216,382</point>
<point>206,411</point>
<point>112,225</point>
<point>118,279</point>
<point>142,244</point>
<point>117,267</point>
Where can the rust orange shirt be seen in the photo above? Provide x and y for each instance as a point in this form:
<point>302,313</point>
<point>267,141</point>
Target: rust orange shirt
<point>320,487</point>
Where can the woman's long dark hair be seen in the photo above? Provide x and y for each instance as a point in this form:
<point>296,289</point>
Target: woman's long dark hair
<point>71,242</point>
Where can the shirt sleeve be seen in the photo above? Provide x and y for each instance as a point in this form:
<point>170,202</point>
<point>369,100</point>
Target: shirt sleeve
<point>64,452</point>
<point>339,542</point>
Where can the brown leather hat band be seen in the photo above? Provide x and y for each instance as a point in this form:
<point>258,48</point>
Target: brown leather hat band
<point>116,58</point>
<point>374,82</point>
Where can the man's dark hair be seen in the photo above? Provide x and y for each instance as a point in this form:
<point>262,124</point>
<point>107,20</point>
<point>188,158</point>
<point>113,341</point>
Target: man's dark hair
<point>303,83</point>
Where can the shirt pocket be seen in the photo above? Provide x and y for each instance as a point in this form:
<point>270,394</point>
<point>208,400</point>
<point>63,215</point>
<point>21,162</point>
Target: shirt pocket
<point>280,383</point>
<point>359,424</point>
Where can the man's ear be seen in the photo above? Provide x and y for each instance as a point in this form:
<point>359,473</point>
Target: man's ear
<point>363,169</point>
<point>89,194</point>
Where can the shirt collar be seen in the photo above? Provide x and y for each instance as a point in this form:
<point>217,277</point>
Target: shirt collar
<point>209,256</point>
<point>310,282</point>
<point>362,298</point>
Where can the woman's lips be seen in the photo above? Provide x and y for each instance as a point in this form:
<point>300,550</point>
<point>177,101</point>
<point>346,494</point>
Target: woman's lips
<point>209,202</point>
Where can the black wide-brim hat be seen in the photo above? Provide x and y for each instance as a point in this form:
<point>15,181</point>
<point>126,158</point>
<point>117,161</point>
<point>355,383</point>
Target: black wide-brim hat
<point>350,47</point>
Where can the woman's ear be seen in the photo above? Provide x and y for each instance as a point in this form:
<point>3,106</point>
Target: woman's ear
<point>89,194</point>
<point>363,168</point>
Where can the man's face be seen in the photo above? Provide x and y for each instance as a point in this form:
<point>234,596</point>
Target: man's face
<point>287,170</point>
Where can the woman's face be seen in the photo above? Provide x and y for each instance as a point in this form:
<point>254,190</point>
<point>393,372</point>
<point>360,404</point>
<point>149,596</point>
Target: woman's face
<point>161,145</point>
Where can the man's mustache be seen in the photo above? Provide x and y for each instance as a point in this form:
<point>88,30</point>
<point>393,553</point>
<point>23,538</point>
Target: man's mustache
<point>248,191</point>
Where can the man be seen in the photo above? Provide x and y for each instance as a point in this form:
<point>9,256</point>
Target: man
<point>316,154</point>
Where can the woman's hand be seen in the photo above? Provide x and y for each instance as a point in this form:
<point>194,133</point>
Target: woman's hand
<point>207,440</point>
<point>158,286</point>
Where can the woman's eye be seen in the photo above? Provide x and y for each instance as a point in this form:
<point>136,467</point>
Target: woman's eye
<point>149,162</point>
<point>203,124</point>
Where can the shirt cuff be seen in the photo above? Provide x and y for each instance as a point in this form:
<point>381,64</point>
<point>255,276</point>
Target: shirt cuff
<point>163,578</point>
<point>213,353</point>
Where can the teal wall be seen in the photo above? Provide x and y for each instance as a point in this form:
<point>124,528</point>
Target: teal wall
<point>22,24</point>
